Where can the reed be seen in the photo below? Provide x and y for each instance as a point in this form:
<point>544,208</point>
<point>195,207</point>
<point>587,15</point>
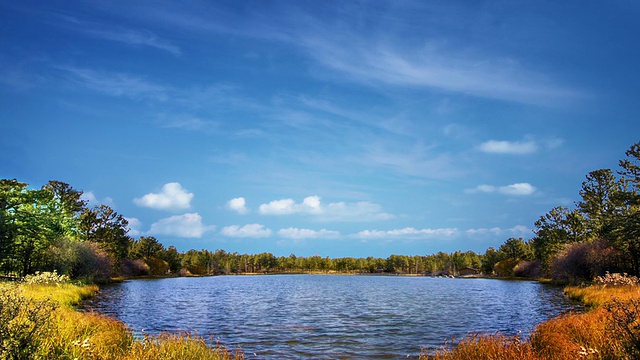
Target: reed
<point>486,347</point>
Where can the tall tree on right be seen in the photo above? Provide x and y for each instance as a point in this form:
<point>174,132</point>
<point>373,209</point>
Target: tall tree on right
<point>626,235</point>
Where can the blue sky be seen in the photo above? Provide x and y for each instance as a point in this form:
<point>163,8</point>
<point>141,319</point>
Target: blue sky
<point>338,128</point>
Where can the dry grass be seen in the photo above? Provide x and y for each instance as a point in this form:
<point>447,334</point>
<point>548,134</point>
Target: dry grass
<point>610,330</point>
<point>69,334</point>
<point>487,347</point>
<point>597,295</point>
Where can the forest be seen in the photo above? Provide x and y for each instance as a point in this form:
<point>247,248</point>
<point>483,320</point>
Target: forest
<point>52,228</point>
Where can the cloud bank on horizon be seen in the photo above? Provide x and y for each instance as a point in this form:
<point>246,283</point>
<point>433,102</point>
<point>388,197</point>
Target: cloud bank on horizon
<point>338,128</point>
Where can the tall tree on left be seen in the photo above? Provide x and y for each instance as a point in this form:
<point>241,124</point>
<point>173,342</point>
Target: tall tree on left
<point>31,220</point>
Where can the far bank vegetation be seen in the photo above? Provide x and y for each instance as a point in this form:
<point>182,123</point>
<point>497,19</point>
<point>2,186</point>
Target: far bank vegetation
<point>52,228</point>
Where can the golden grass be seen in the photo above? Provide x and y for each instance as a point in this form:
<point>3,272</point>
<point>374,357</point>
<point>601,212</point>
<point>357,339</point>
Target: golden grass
<point>597,295</point>
<point>487,347</point>
<point>76,335</point>
<point>66,295</point>
<point>589,335</point>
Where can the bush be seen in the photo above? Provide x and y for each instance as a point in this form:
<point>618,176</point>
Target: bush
<point>616,279</point>
<point>79,259</point>
<point>46,278</point>
<point>157,266</point>
<point>528,269</point>
<point>625,324</point>
<point>584,261</point>
<point>134,268</point>
<point>505,268</point>
<point>24,323</point>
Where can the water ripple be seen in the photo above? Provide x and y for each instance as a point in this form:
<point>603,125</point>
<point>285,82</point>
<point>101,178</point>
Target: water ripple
<point>331,317</point>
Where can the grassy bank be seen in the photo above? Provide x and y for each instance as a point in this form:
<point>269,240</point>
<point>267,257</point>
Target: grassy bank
<point>610,329</point>
<point>40,322</point>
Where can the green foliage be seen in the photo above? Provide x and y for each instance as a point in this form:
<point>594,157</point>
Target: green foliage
<point>145,247</point>
<point>24,324</point>
<point>105,227</point>
<point>515,248</point>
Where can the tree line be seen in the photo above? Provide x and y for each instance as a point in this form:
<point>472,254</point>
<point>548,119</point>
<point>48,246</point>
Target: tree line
<point>52,228</point>
<point>601,233</point>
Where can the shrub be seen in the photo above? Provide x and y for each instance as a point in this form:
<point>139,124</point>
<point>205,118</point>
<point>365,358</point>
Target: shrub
<point>528,269</point>
<point>156,266</point>
<point>46,278</point>
<point>625,324</point>
<point>616,279</point>
<point>24,323</point>
<point>92,263</point>
<point>134,268</point>
<point>583,261</point>
<point>505,268</point>
<point>79,259</point>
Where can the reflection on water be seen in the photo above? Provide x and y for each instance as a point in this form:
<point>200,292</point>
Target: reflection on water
<point>331,317</point>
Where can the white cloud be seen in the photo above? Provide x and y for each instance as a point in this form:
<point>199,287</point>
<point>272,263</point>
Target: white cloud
<point>247,231</point>
<point>238,205</point>
<point>310,205</point>
<point>338,211</point>
<point>134,226</point>
<point>408,232</point>
<point>295,233</point>
<point>92,200</point>
<point>509,147</point>
<point>172,197</point>
<point>517,189</point>
<point>188,225</point>
<point>516,230</point>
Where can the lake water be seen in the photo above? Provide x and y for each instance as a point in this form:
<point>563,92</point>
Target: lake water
<point>331,316</point>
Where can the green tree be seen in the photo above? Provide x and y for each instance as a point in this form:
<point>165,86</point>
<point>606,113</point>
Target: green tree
<point>554,231</point>
<point>600,202</point>
<point>172,257</point>
<point>515,248</point>
<point>105,227</point>
<point>626,235</point>
<point>145,247</point>
<point>489,260</point>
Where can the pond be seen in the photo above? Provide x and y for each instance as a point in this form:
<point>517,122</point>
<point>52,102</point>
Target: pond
<point>331,316</point>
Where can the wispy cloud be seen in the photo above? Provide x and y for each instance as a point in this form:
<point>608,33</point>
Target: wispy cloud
<point>189,123</point>
<point>366,57</point>
<point>336,211</point>
<point>518,189</point>
<point>299,234</point>
<point>246,231</point>
<point>518,230</point>
<point>407,233</point>
<point>116,83</point>
<point>509,147</point>
<point>187,226</point>
<point>117,33</point>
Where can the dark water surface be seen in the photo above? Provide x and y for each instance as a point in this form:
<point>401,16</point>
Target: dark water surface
<point>330,316</point>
